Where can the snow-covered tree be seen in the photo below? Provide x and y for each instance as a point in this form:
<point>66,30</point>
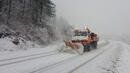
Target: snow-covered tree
<point>27,16</point>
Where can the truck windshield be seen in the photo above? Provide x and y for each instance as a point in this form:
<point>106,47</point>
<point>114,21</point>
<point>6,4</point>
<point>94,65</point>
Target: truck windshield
<point>80,33</point>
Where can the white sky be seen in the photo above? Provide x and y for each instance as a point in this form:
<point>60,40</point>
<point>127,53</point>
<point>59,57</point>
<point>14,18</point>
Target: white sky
<point>102,16</point>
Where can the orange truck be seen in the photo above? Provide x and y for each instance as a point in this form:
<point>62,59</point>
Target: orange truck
<point>83,40</point>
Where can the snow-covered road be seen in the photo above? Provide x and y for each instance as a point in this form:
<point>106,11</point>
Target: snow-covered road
<point>110,57</point>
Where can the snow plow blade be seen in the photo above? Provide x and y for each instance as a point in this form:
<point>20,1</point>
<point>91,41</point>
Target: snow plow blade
<point>72,47</point>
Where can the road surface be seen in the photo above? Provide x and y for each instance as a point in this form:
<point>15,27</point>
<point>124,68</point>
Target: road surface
<point>108,58</point>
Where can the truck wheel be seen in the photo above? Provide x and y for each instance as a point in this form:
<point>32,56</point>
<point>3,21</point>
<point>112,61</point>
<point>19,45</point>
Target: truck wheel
<point>95,44</point>
<point>86,48</point>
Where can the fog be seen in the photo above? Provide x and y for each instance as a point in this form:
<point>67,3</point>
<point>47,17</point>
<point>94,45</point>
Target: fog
<point>101,16</point>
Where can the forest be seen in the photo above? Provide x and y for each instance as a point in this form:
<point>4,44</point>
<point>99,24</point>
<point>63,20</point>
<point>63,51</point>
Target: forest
<point>36,20</point>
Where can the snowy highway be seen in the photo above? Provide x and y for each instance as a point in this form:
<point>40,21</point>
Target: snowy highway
<point>108,58</point>
<point>64,36</point>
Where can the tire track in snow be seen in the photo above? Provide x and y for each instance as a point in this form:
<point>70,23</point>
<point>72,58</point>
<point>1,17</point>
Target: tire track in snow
<point>78,67</point>
<point>70,59</point>
<point>57,63</point>
<point>26,58</point>
<point>87,61</point>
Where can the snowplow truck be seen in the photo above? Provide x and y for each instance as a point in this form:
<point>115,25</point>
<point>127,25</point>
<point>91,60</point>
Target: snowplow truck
<point>82,41</point>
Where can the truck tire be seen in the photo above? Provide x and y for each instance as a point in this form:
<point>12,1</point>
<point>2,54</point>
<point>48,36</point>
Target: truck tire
<point>86,48</point>
<point>94,44</point>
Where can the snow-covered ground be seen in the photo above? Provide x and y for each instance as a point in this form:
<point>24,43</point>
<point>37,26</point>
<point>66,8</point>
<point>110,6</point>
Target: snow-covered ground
<point>110,57</point>
<point>6,44</point>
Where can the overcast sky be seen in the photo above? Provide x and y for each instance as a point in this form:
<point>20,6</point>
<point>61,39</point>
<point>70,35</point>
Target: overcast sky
<point>102,16</point>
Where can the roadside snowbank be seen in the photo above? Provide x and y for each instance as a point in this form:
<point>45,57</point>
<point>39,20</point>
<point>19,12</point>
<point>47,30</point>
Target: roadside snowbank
<point>31,51</point>
<point>7,44</point>
<point>124,61</point>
